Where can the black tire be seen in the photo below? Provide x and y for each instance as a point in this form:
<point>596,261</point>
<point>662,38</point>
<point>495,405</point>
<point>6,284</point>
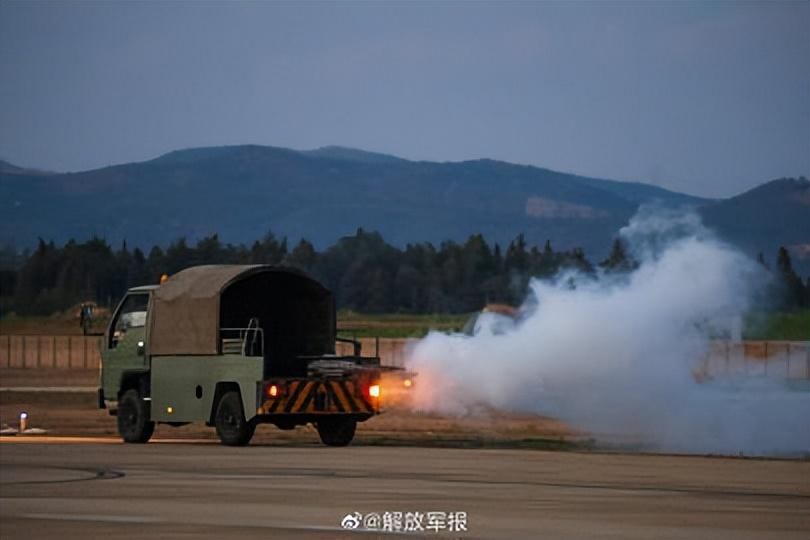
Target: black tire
<point>232,428</point>
<point>336,431</point>
<point>134,425</point>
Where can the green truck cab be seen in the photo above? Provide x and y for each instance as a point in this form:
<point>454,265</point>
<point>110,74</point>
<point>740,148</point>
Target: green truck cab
<point>234,346</point>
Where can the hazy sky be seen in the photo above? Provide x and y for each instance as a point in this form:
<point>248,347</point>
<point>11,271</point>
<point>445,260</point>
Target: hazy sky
<point>708,98</point>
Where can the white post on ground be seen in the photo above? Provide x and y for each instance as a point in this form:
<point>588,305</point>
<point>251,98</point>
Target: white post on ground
<point>23,421</point>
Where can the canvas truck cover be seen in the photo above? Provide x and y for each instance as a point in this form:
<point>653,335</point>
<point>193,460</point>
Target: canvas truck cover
<point>185,312</point>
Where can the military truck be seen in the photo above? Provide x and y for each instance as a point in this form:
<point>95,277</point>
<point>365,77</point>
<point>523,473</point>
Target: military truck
<point>234,346</point>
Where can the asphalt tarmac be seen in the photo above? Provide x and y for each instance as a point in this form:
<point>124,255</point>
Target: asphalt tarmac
<point>89,488</point>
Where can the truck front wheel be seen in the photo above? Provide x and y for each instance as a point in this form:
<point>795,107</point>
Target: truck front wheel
<point>336,431</point>
<point>232,428</point>
<point>134,425</point>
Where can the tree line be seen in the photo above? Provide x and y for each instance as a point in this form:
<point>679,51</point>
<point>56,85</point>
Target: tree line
<point>365,273</point>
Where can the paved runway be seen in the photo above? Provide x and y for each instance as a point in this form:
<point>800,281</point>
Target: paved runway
<point>85,489</point>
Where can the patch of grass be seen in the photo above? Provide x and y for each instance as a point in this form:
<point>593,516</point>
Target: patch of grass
<point>442,318</point>
<point>791,326</point>
<point>395,325</point>
<point>350,324</point>
<point>393,332</point>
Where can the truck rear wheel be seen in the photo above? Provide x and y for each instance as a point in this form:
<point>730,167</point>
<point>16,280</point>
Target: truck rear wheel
<point>133,418</point>
<point>232,428</point>
<point>336,431</point>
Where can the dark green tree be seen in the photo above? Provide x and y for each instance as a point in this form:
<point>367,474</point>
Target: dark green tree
<point>364,272</point>
<point>618,261</point>
<point>790,284</point>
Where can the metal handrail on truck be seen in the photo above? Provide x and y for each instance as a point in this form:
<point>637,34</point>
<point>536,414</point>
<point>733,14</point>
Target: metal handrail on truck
<point>241,344</point>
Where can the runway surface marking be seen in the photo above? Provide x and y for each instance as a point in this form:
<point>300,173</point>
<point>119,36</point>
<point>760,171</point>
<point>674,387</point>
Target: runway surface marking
<point>111,518</point>
<point>94,517</point>
<point>51,389</point>
<point>37,439</point>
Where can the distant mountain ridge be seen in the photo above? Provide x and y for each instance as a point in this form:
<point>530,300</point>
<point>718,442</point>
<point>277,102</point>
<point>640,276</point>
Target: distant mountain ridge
<point>351,154</point>
<point>773,214</point>
<point>242,192</point>
<point>9,168</point>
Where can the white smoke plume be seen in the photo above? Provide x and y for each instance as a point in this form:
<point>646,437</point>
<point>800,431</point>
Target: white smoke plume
<point>615,357</point>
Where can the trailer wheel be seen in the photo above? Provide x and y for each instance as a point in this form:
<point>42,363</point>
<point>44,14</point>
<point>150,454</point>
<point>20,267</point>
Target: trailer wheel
<point>232,428</point>
<point>134,425</point>
<point>336,431</point>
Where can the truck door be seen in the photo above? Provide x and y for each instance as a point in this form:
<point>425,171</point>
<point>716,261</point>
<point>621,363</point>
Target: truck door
<point>125,343</point>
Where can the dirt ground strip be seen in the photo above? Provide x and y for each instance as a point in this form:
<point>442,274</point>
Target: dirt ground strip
<point>75,414</point>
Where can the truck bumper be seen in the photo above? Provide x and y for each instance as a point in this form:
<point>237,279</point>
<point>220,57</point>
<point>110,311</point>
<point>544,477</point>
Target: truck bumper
<point>306,396</point>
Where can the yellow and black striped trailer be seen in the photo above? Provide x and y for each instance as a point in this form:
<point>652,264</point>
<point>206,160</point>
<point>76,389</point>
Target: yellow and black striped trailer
<point>319,397</point>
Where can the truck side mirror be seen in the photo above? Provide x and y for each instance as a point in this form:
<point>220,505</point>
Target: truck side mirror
<point>140,348</point>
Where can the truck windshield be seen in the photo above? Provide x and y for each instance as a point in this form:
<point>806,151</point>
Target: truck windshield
<point>132,314</point>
